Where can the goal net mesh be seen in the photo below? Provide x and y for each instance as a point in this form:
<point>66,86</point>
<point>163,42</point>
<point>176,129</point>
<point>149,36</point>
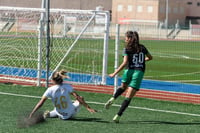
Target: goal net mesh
<point>77,44</point>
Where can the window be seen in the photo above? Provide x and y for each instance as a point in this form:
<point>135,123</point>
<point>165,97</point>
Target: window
<point>149,9</point>
<point>130,8</point>
<point>162,9</point>
<point>189,3</point>
<point>139,8</point>
<point>198,3</point>
<point>182,10</point>
<point>169,9</point>
<point>119,8</point>
<point>175,10</point>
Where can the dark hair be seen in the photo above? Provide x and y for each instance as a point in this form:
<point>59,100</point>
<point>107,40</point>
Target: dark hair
<point>134,43</point>
<point>58,76</point>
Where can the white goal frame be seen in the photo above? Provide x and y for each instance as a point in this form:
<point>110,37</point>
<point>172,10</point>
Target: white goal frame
<point>41,30</point>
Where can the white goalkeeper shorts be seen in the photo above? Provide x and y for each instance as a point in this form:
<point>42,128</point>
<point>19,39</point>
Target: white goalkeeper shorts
<point>77,106</point>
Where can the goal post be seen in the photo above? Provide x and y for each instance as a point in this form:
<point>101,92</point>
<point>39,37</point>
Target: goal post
<point>78,45</point>
<point>91,51</point>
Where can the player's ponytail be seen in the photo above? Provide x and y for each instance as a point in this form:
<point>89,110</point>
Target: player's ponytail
<point>134,44</point>
<point>58,76</point>
<point>63,73</point>
<point>136,41</point>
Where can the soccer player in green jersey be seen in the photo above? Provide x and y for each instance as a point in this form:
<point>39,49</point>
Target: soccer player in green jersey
<point>134,57</point>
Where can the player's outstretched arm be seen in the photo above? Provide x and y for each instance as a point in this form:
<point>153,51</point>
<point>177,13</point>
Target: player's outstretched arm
<point>82,101</point>
<point>125,61</point>
<point>39,104</point>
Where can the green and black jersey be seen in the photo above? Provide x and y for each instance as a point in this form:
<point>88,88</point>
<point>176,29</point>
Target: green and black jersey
<point>136,60</point>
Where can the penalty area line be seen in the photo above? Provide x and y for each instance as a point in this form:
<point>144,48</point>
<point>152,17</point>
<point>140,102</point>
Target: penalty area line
<point>150,109</point>
<point>115,105</point>
<point>18,95</point>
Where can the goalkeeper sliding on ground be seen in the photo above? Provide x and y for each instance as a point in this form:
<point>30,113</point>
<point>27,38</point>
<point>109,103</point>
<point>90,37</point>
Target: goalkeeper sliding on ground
<point>59,93</point>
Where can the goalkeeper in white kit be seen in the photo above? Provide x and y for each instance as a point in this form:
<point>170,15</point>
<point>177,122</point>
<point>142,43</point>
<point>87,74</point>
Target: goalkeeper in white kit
<point>59,93</point>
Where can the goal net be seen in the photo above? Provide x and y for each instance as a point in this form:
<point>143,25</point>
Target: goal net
<point>79,41</point>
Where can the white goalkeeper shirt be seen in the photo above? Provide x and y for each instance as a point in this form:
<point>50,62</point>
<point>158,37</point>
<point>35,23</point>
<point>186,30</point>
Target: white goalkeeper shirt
<point>60,96</point>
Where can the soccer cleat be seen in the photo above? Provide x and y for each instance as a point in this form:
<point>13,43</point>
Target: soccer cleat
<point>109,103</point>
<point>46,114</point>
<point>116,118</point>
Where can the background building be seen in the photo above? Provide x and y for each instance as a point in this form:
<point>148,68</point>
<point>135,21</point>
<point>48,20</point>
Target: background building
<point>155,11</point>
<point>65,4</point>
<point>126,11</point>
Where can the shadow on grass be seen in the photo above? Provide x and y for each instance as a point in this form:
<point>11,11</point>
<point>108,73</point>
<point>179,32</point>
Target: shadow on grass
<point>161,122</point>
<point>85,119</point>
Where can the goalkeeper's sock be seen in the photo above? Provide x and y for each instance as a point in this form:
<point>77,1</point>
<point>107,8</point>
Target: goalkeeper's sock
<point>124,105</point>
<point>118,92</point>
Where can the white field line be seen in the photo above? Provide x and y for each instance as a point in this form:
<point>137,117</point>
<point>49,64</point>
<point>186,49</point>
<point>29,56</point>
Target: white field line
<point>116,105</point>
<point>18,95</point>
<point>166,55</point>
<point>181,74</point>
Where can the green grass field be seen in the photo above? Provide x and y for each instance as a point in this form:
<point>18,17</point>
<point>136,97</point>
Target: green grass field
<point>173,60</point>
<point>142,116</point>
